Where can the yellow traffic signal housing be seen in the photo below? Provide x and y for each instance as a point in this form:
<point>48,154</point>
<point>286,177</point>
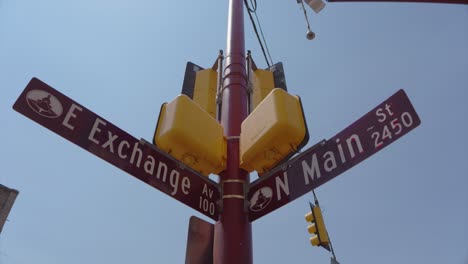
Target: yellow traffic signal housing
<point>201,86</point>
<point>262,84</point>
<point>205,90</point>
<point>273,132</point>
<point>317,227</point>
<point>191,135</point>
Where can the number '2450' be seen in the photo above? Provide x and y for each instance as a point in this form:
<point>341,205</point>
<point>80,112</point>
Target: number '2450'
<point>396,129</point>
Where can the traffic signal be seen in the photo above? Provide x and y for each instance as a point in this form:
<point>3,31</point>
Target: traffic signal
<point>201,86</point>
<point>262,82</point>
<point>273,132</point>
<point>317,227</point>
<point>191,135</point>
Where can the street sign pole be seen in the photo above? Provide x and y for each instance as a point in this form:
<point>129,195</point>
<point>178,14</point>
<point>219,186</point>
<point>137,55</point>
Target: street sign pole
<point>233,231</point>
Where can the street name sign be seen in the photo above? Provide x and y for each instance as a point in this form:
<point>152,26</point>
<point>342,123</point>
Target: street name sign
<point>7,199</point>
<point>200,240</point>
<point>377,129</point>
<point>60,114</point>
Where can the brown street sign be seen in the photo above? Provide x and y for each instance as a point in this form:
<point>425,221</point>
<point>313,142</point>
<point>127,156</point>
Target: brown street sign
<point>57,112</point>
<point>377,129</point>
<point>200,240</point>
<point>7,199</point>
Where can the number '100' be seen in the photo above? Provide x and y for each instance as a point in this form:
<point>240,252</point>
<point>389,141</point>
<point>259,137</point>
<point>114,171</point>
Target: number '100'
<point>206,206</point>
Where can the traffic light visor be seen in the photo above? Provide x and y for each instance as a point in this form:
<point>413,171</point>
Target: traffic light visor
<point>312,229</point>
<point>314,241</point>
<point>309,217</point>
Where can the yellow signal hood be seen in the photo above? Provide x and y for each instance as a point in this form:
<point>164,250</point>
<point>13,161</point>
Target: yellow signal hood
<point>205,89</point>
<point>190,134</point>
<point>262,85</point>
<point>273,132</point>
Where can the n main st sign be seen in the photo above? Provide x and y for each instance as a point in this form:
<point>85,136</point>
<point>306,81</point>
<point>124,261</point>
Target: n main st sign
<point>384,124</point>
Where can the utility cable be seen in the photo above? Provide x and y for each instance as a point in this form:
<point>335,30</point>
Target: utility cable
<point>263,37</point>
<point>251,10</point>
<point>253,3</point>
<point>305,15</point>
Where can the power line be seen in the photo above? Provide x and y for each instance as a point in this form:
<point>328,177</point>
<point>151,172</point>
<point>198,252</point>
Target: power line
<point>263,37</point>
<point>251,10</point>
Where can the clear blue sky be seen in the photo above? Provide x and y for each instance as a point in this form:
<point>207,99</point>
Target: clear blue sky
<point>123,59</point>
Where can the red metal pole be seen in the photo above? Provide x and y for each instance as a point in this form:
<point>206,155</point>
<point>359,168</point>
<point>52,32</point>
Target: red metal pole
<point>233,231</point>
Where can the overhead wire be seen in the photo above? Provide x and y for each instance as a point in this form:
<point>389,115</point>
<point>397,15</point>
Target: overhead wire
<point>253,3</point>
<point>263,37</point>
<point>252,8</point>
<point>305,14</point>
